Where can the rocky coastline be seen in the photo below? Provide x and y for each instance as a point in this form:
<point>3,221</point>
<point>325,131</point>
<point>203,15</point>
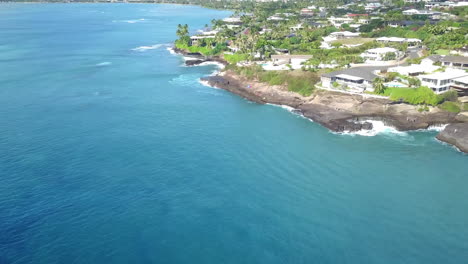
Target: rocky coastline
<point>341,112</point>
<point>197,58</point>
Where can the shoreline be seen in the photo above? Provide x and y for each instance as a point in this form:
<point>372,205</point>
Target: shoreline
<point>339,112</point>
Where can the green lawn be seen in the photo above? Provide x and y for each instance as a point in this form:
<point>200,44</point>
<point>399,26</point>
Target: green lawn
<point>414,96</point>
<point>443,52</point>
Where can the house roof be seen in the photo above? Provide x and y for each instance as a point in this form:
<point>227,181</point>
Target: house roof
<point>454,59</point>
<point>462,80</point>
<point>349,77</point>
<point>448,74</point>
<point>287,57</point>
<point>396,39</point>
<point>449,58</point>
<point>381,50</point>
<point>366,73</point>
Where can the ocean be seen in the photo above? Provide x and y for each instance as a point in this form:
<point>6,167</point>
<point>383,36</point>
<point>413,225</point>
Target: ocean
<point>111,151</point>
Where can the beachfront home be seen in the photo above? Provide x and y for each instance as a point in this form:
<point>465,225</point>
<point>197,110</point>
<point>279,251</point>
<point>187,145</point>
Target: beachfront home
<point>441,82</point>
<point>195,40</point>
<point>381,54</point>
<point>461,85</point>
<point>357,79</point>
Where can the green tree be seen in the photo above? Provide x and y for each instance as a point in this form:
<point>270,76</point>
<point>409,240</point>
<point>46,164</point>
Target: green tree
<point>378,85</point>
<point>182,30</point>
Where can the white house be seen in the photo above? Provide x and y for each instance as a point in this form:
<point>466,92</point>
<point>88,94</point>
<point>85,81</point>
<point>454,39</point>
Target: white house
<point>232,20</point>
<point>461,84</point>
<point>441,82</point>
<point>338,21</point>
<point>410,41</point>
<point>413,69</point>
<point>344,34</point>
<point>195,39</point>
<point>378,54</point>
<point>358,79</point>
<point>295,61</point>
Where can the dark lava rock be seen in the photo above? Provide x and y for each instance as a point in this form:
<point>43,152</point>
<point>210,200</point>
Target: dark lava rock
<point>457,135</point>
<point>193,62</point>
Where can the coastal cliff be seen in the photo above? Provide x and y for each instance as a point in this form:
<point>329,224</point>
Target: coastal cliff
<point>457,135</point>
<point>339,112</point>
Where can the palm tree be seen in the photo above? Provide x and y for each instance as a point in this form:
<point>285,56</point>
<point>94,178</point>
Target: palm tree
<point>378,85</point>
<point>182,30</point>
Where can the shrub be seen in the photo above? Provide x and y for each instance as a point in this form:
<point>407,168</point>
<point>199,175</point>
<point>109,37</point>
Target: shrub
<point>423,109</point>
<point>302,86</point>
<point>451,95</point>
<point>273,78</point>
<point>335,84</point>
<point>450,106</point>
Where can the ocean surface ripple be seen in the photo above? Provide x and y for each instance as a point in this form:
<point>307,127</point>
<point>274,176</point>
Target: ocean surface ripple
<point>111,152</point>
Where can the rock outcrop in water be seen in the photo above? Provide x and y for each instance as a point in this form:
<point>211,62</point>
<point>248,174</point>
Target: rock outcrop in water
<point>455,134</point>
<point>197,58</point>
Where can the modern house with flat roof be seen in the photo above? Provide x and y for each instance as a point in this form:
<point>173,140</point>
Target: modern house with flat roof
<point>458,62</point>
<point>358,79</point>
<point>441,82</point>
<point>461,85</point>
<point>410,41</point>
<point>413,69</point>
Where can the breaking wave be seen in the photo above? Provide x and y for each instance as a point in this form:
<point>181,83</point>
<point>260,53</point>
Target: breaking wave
<point>378,127</point>
<point>105,63</point>
<point>152,47</point>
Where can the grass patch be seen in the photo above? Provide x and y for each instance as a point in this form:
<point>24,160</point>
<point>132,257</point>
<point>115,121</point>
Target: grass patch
<point>235,58</point>
<point>465,106</point>
<point>417,96</point>
<point>302,83</point>
<point>302,86</point>
<point>273,77</point>
<point>442,52</point>
<point>450,106</point>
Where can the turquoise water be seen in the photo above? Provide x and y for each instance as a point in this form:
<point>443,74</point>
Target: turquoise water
<point>112,154</point>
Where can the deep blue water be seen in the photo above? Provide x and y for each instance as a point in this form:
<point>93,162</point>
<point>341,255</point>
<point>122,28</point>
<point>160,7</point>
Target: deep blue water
<point>115,155</point>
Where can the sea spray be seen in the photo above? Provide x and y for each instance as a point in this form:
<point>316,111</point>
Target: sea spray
<point>378,127</point>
